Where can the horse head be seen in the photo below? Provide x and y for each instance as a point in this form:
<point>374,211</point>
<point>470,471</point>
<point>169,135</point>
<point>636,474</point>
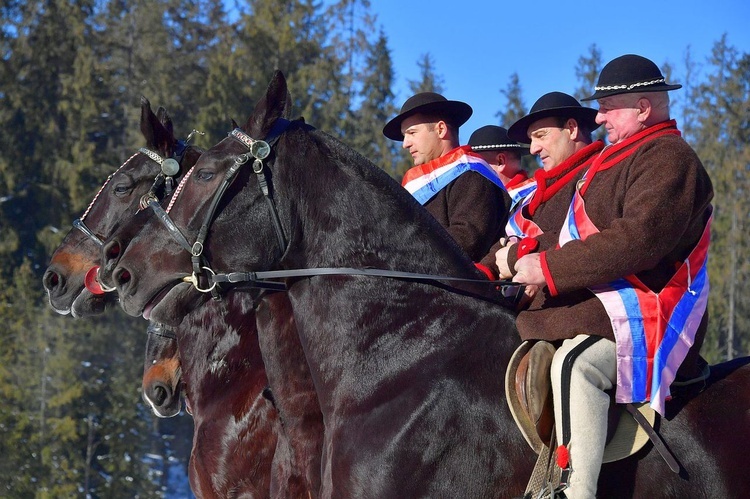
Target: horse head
<point>162,372</point>
<point>150,170</point>
<point>159,273</point>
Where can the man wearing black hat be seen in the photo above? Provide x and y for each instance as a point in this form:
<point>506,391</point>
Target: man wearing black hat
<point>625,293</point>
<point>454,184</point>
<point>558,130</point>
<point>504,155</point>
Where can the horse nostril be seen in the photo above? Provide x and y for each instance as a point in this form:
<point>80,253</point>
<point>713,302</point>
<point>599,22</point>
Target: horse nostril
<point>51,280</point>
<point>121,276</point>
<point>113,251</point>
<point>159,395</point>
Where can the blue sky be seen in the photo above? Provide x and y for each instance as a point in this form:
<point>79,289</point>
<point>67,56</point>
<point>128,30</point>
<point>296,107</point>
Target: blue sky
<point>477,45</point>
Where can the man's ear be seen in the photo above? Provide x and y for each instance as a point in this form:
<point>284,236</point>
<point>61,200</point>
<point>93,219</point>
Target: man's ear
<point>442,129</point>
<point>643,106</point>
<point>501,159</point>
<point>572,126</point>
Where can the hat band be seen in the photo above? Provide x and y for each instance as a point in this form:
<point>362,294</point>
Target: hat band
<point>495,146</point>
<point>631,86</point>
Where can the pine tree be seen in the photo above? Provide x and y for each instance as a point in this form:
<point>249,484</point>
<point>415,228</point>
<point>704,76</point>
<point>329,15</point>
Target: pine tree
<point>377,107</point>
<point>350,26</point>
<point>515,109</point>
<point>429,80</point>
<point>721,105</point>
<point>587,71</point>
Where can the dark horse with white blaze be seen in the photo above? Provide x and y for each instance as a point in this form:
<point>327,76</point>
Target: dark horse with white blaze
<point>408,374</point>
<point>238,439</point>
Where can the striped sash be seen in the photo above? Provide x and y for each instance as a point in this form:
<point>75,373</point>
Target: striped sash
<point>520,191</point>
<point>425,181</point>
<point>653,331</point>
<point>519,224</point>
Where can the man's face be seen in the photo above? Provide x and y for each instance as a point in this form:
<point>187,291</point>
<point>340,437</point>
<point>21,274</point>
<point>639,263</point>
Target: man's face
<point>551,143</point>
<point>421,139</point>
<point>619,115</point>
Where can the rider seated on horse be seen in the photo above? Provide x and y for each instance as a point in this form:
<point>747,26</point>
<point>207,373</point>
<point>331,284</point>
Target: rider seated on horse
<point>623,289</point>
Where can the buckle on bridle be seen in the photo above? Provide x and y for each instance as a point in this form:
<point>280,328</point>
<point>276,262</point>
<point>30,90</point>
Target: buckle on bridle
<point>235,277</point>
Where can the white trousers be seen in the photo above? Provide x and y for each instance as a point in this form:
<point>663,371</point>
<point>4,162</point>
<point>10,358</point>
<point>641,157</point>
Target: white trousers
<point>594,370</point>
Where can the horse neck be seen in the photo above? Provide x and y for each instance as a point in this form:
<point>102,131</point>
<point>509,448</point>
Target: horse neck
<point>351,213</point>
<point>219,353</point>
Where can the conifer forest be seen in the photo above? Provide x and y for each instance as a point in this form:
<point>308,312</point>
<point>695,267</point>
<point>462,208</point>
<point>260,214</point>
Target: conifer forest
<point>72,422</point>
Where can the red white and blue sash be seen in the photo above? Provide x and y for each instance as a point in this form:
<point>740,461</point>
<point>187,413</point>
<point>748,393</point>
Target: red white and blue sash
<point>519,225</point>
<point>653,331</point>
<point>519,191</point>
<point>425,181</point>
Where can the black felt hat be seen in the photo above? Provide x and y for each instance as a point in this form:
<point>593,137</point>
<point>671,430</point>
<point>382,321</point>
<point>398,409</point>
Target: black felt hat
<point>556,104</point>
<point>628,74</point>
<point>454,112</point>
<point>494,138</point>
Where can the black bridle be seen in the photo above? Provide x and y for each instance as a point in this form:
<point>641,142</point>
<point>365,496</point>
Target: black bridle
<point>170,167</point>
<point>259,150</point>
<point>158,329</point>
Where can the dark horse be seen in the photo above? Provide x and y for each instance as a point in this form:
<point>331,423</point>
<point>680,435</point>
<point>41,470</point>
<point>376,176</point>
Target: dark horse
<point>161,385</point>
<point>220,353</point>
<point>118,199</point>
<point>239,465</point>
<point>408,374</point>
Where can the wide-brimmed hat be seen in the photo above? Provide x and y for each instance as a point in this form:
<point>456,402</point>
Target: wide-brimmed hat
<point>494,138</point>
<point>557,104</point>
<point>452,111</point>
<point>628,74</point>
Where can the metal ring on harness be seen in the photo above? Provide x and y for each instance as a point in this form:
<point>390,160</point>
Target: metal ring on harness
<point>193,278</point>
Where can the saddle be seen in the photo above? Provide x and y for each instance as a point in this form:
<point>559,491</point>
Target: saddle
<point>529,393</point>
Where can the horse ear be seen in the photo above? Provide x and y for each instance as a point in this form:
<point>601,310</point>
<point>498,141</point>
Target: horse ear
<point>288,106</point>
<point>234,124</point>
<point>269,108</point>
<point>158,136</point>
<point>165,119</point>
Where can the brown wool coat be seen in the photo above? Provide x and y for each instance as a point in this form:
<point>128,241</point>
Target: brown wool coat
<point>651,208</point>
<point>473,210</point>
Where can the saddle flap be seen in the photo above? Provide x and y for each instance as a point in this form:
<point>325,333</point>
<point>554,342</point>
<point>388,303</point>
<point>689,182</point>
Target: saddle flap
<point>529,393</point>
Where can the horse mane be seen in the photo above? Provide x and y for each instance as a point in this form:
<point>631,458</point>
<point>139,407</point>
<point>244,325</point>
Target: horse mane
<point>417,243</point>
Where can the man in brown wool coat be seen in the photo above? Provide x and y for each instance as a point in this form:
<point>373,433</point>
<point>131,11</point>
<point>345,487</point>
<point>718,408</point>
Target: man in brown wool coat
<point>558,130</point>
<point>453,183</point>
<point>624,294</point>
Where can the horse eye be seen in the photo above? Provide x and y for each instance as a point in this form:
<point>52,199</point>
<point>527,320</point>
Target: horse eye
<point>122,189</point>
<point>204,175</point>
